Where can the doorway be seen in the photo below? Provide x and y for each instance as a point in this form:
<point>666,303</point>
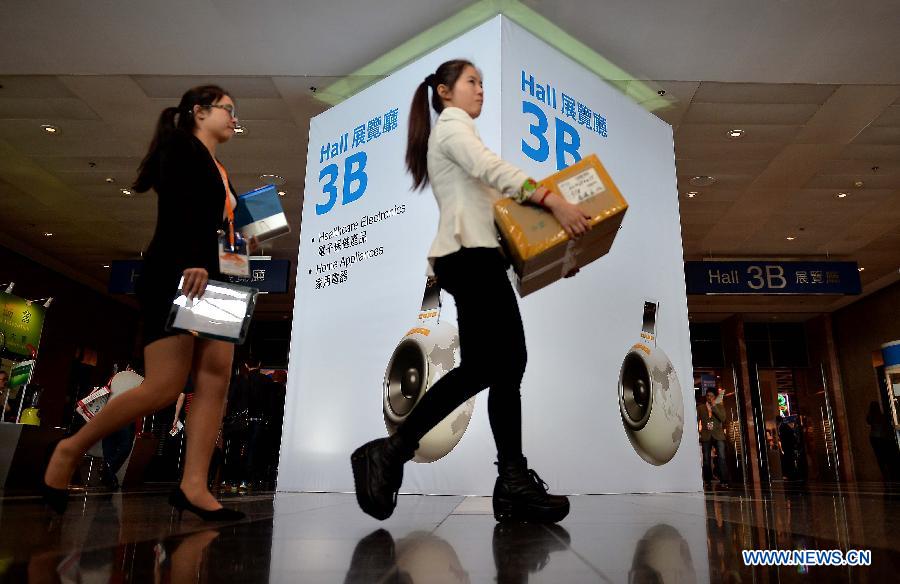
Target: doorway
<point>799,427</point>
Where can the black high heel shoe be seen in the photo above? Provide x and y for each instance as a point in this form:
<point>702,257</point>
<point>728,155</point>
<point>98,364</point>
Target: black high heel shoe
<point>56,499</point>
<point>178,500</point>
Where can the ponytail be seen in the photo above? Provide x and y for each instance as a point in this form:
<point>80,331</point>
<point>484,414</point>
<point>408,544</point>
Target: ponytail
<point>165,127</point>
<point>420,118</point>
<point>417,139</point>
<point>171,121</point>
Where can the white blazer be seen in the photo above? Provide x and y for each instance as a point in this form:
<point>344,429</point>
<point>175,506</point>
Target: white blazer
<point>466,179</point>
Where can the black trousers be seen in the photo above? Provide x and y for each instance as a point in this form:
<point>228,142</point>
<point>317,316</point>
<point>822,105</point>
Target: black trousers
<point>492,349</point>
<point>720,458</point>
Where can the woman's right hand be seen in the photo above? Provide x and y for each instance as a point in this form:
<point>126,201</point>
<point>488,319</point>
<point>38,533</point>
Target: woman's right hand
<point>574,221</point>
<point>195,282</point>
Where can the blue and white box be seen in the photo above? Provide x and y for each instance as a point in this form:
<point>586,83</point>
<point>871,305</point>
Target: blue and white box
<point>259,214</point>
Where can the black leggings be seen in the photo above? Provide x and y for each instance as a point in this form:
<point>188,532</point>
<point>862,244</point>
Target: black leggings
<point>492,349</point>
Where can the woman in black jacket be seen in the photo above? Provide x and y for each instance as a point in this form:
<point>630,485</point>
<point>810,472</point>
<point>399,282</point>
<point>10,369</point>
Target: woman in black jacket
<point>195,200</point>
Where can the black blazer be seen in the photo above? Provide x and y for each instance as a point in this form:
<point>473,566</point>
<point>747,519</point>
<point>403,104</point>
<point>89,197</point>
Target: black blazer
<point>190,204</point>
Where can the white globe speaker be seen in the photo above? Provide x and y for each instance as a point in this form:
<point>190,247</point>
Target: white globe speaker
<point>650,399</point>
<point>427,352</point>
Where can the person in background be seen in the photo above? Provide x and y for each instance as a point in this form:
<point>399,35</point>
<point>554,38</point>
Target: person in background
<point>4,394</point>
<point>234,430</point>
<point>179,424</point>
<point>711,414</point>
<point>790,438</point>
<point>259,394</point>
<point>881,438</point>
<point>117,447</point>
<point>279,394</point>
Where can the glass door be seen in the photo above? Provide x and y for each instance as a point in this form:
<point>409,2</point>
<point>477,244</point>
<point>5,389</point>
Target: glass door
<point>800,434</point>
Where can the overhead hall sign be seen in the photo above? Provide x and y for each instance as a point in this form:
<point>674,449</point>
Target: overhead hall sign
<point>772,277</point>
<point>270,276</point>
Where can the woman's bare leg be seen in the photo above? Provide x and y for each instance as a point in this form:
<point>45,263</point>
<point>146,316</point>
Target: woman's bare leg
<point>211,374</point>
<point>167,363</point>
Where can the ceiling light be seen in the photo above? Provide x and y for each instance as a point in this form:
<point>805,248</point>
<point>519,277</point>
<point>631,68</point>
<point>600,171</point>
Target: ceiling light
<point>692,194</point>
<point>790,238</point>
<point>702,181</point>
<point>106,265</point>
<point>842,195</point>
<point>281,193</point>
<point>48,234</point>
<point>110,180</point>
<point>126,192</point>
<point>859,184</point>
<point>861,269</point>
<point>272,179</point>
<point>50,129</point>
<point>239,129</point>
<point>736,133</point>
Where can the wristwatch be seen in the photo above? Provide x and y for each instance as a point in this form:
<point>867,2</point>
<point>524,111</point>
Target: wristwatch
<point>528,187</point>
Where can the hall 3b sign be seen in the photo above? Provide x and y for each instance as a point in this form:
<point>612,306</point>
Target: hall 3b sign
<point>268,276</point>
<point>772,277</point>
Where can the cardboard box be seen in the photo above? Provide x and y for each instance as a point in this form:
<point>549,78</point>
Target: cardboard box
<point>536,243</point>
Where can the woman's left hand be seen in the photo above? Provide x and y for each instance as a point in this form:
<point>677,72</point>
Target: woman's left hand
<point>573,220</point>
<point>195,280</point>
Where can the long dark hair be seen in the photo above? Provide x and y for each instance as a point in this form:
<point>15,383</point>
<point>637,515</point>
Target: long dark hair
<point>172,120</point>
<point>420,117</point>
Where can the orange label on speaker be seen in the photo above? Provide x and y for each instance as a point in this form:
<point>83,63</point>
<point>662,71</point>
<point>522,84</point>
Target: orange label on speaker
<point>641,347</point>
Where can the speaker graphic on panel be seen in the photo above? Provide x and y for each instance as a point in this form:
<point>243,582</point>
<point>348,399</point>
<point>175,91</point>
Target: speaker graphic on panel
<point>427,352</point>
<point>650,398</point>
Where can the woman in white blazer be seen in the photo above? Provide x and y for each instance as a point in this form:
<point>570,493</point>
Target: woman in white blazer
<point>467,179</point>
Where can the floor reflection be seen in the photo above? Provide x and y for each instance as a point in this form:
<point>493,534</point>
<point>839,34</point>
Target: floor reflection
<point>662,555</point>
<point>519,549</point>
<point>321,537</point>
<point>376,555</point>
<point>183,560</point>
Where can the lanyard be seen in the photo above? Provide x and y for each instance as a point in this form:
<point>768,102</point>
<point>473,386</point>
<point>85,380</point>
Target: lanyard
<point>228,208</point>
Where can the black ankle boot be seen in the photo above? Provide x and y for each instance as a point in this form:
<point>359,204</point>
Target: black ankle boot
<point>378,473</point>
<point>521,495</point>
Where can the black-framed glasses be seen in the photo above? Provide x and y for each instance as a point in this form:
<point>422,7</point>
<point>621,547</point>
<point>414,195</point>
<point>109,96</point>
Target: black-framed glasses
<point>227,107</point>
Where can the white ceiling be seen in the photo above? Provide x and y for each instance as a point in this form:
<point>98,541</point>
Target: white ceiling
<point>760,41</point>
<point>820,104</point>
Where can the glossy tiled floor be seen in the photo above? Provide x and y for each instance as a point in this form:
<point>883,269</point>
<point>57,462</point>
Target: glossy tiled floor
<point>323,537</point>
